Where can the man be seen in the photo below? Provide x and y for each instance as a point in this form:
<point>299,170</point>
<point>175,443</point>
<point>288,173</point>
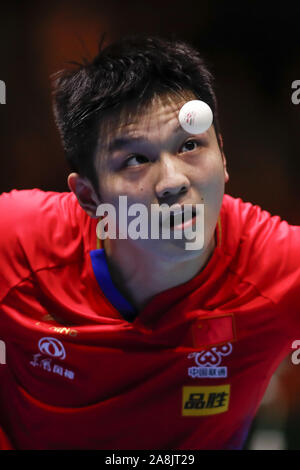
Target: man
<point>126,343</point>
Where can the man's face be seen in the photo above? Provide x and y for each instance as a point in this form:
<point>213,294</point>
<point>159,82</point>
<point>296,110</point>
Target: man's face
<point>144,154</point>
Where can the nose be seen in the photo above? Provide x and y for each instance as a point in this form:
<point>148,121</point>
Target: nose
<point>172,181</point>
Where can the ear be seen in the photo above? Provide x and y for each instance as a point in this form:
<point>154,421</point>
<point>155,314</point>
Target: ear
<point>226,175</point>
<point>85,193</point>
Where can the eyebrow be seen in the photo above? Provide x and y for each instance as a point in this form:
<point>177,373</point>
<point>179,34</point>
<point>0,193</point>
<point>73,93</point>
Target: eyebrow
<point>121,142</point>
<point>124,141</point>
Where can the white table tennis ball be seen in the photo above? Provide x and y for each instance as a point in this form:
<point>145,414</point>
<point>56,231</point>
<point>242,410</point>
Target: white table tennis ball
<point>195,117</point>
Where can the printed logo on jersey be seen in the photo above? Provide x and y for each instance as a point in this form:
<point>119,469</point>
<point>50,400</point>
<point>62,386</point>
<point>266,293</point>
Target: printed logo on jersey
<point>208,362</point>
<point>203,401</point>
<point>57,329</point>
<point>54,348</point>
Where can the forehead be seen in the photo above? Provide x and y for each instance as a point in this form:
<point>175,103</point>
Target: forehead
<point>156,118</point>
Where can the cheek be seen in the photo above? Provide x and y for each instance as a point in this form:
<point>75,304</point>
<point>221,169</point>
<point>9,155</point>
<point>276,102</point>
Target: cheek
<point>209,173</point>
<point>112,187</point>
<point>210,182</point>
<point>214,187</point>
<point>108,189</point>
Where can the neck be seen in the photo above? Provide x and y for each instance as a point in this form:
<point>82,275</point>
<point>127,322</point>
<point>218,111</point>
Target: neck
<point>140,275</point>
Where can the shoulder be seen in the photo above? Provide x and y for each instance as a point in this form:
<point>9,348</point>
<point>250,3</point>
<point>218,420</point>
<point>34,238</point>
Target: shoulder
<point>245,218</point>
<point>30,213</point>
<point>27,201</point>
<point>38,229</point>
<point>265,249</point>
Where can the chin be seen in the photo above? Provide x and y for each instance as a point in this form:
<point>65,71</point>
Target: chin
<point>173,250</point>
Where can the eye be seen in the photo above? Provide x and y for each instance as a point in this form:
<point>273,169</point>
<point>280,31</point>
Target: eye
<point>136,160</point>
<point>189,146</point>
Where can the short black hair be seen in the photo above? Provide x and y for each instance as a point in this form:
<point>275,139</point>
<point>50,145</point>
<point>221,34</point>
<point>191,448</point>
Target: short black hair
<point>134,68</point>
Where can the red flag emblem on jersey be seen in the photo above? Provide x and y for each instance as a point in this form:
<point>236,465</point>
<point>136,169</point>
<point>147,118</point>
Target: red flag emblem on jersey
<point>213,330</point>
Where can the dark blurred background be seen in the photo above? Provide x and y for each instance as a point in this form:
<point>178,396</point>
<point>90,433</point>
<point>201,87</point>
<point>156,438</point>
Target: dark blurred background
<point>252,48</point>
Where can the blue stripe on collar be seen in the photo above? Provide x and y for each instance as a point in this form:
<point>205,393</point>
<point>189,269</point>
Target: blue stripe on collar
<point>107,286</point>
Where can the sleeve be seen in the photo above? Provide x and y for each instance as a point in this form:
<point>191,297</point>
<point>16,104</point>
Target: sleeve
<point>38,229</point>
<point>16,220</point>
<point>271,251</point>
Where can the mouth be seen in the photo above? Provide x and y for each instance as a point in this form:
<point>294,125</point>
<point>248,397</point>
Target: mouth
<point>181,217</point>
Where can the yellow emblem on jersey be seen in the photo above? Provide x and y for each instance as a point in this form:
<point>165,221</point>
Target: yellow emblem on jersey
<point>202,401</point>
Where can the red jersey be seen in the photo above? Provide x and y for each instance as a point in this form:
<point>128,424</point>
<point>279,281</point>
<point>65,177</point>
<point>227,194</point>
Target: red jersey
<point>188,372</point>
